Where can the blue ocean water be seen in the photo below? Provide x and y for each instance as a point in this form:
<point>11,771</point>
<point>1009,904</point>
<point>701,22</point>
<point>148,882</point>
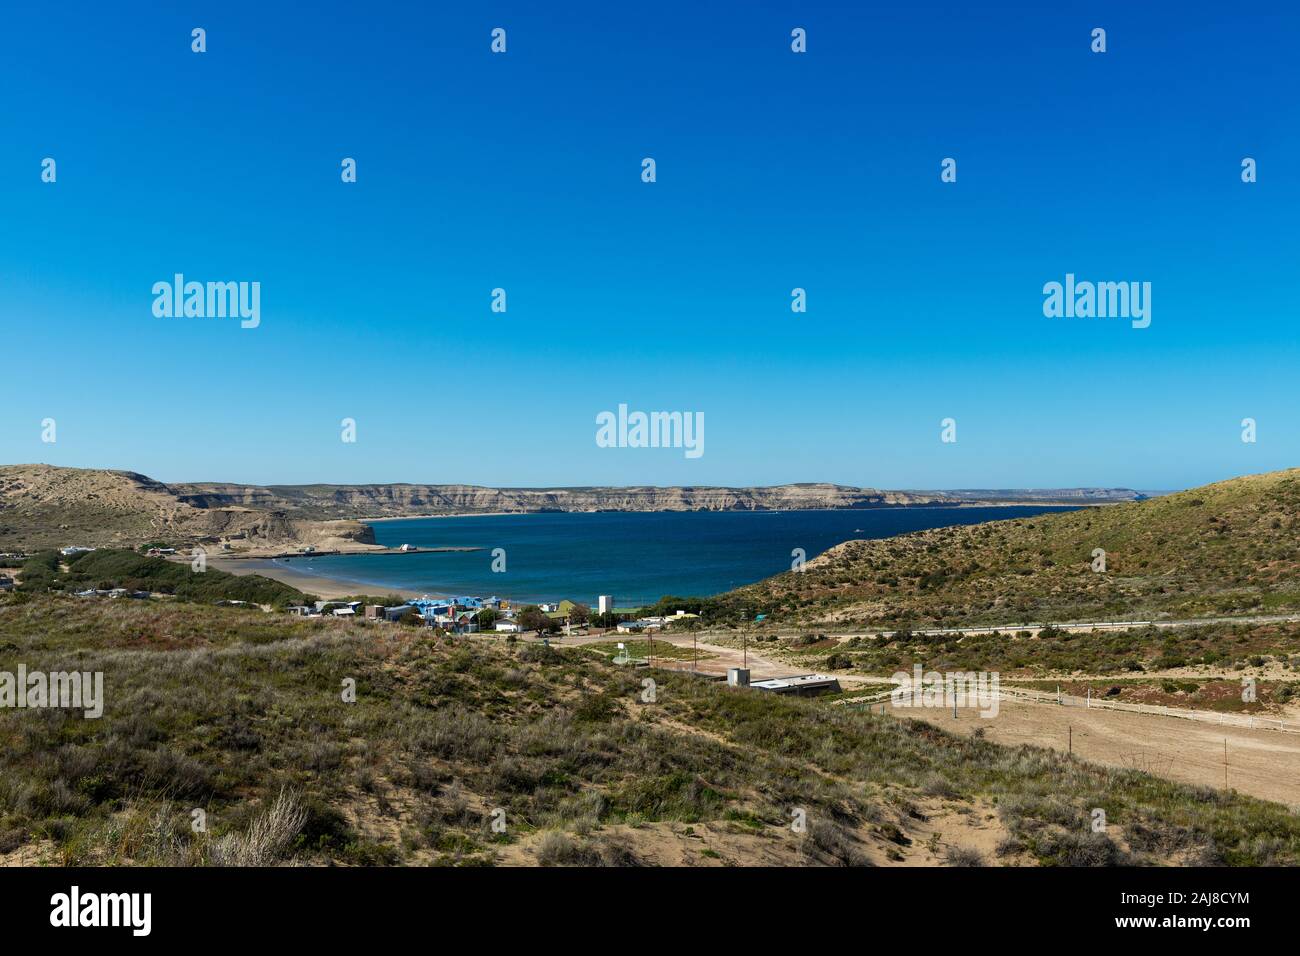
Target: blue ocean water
<point>637,557</point>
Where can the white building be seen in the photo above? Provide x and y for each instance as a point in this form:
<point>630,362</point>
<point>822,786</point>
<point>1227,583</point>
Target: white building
<point>605,604</point>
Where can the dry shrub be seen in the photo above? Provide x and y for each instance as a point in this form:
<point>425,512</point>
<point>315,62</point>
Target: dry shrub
<point>269,836</point>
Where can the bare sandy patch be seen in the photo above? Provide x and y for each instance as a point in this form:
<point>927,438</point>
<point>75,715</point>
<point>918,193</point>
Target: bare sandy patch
<point>1262,763</point>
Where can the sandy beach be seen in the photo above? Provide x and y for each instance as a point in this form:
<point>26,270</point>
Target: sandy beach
<point>322,586</point>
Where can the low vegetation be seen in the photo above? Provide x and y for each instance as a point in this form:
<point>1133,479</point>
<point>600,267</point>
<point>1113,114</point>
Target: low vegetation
<point>245,716</point>
<point>1133,651</point>
<point>115,568</point>
<point>1268,697</point>
<point>1231,548</point>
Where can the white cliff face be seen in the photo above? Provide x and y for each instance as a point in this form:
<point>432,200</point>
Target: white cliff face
<point>369,501</point>
<point>44,506</point>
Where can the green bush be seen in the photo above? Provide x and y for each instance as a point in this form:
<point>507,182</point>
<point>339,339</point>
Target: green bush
<point>112,568</point>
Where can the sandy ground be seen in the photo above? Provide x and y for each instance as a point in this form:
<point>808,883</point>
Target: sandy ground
<point>1262,763</point>
<point>723,658</point>
<point>323,587</point>
<point>720,658</point>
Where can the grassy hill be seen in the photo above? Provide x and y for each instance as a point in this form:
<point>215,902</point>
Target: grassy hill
<point>243,716</point>
<point>116,568</point>
<point>1227,548</point>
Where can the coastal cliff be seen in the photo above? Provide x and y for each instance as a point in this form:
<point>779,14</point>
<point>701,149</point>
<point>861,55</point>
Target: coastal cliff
<point>380,501</point>
<point>46,506</point>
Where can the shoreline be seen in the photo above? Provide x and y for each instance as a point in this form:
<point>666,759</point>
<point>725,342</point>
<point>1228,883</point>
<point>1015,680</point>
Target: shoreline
<point>322,586</point>
<point>452,514</point>
<point>378,550</point>
<point>327,587</point>
<point>955,505</point>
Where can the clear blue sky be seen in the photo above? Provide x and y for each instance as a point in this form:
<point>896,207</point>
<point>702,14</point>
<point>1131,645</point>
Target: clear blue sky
<point>775,170</point>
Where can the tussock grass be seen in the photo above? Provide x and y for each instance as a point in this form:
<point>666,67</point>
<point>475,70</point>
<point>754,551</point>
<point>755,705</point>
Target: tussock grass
<point>445,732</point>
<point>266,840</point>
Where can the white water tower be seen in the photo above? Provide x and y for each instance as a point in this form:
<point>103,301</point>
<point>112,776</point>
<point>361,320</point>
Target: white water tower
<point>605,604</point>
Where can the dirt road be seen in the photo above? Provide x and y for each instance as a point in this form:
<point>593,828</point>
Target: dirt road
<point>718,661</point>
<point>1262,763</point>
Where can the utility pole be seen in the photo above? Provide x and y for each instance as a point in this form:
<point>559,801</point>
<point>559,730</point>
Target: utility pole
<point>1225,763</point>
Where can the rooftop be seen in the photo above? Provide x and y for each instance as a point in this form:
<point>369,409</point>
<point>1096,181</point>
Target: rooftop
<point>796,681</point>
